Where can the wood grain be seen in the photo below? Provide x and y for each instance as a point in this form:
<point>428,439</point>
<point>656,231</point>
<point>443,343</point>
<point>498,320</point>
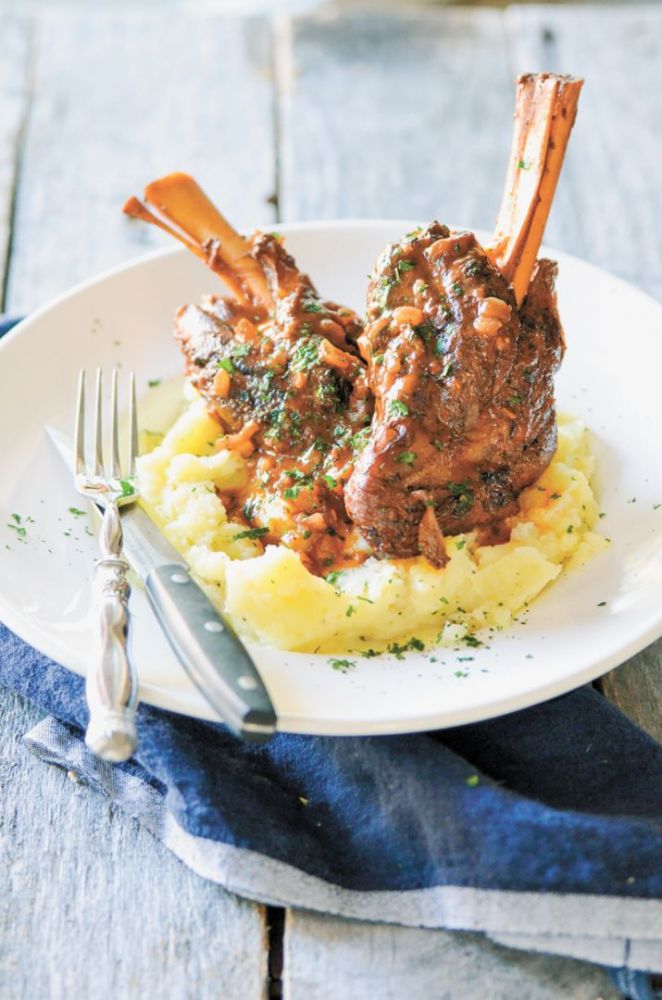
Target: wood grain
<point>14,102</point>
<point>119,100</point>
<point>610,198</point>
<point>92,905</point>
<point>327,958</point>
<point>403,115</point>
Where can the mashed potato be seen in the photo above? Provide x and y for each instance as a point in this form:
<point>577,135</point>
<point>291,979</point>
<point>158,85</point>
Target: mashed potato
<point>271,597</point>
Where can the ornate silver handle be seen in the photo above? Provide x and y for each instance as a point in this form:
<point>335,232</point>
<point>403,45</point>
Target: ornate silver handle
<point>112,684</point>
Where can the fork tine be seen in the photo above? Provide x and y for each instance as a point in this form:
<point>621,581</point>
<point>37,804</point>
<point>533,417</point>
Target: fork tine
<point>133,425</point>
<point>115,472</point>
<point>98,426</point>
<point>79,431</point>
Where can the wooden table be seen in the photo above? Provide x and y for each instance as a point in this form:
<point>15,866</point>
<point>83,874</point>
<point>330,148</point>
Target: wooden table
<point>393,115</point>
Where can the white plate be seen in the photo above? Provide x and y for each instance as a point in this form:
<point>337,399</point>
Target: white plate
<point>610,377</point>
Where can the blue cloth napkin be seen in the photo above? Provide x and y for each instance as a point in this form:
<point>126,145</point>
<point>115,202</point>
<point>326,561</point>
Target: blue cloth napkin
<point>542,829</point>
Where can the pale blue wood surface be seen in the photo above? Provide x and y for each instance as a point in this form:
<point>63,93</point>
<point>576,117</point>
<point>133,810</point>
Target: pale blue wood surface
<point>384,115</point>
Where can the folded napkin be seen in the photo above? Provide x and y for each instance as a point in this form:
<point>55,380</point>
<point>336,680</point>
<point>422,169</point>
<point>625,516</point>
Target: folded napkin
<point>541,829</point>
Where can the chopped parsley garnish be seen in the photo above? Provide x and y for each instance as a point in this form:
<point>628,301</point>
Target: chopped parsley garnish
<point>333,576</point>
<point>128,489</point>
<point>461,543</point>
<point>292,492</point>
<point>76,512</point>
<point>21,532</point>
<point>471,640</point>
<point>241,350</point>
<point>398,649</point>
<point>447,370</point>
<point>472,780</point>
<point>463,495</point>
<point>350,611</point>
<point>330,482</point>
<point>306,356</point>
<point>153,382</point>
<point>602,604</point>
<point>555,496</point>
<point>227,365</point>
<point>402,267</point>
<point>313,307</point>
<point>342,665</point>
<point>397,408</point>
<point>251,533</point>
<point>406,458</point>
<point>458,289</point>
<point>514,400</point>
<point>359,440</point>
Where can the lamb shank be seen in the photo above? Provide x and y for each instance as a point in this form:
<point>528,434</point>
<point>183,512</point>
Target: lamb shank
<point>278,367</point>
<point>429,421</point>
<point>461,345</point>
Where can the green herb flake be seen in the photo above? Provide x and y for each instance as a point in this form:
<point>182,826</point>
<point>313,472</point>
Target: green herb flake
<point>251,533</point>
<point>350,611</point>
<point>241,350</point>
<point>461,543</point>
<point>472,780</point>
<point>76,512</point>
<point>330,481</point>
<point>397,408</point>
<point>153,382</point>
<point>128,489</point>
<point>471,640</point>
<point>341,665</point>
<point>227,365</point>
<point>602,604</point>
<point>463,495</point>
<point>20,531</point>
<point>406,458</point>
<point>457,289</point>
<point>313,307</point>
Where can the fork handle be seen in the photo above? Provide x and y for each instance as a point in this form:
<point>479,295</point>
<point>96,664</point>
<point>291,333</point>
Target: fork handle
<point>112,684</point>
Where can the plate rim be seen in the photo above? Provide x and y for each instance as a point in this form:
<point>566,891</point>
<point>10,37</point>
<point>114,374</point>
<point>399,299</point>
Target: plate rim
<point>174,699</point>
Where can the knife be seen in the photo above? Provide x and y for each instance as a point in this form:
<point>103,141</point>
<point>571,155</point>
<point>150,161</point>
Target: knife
<point>212,655</point>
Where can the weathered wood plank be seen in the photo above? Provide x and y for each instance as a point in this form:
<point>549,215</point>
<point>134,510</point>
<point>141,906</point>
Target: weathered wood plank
<point>89,902</point>
<point>120,99</point>
<point>636,687</point>
<point>610,200</point>
<point>327,958</point>
<point>395,115</point>
<point>92,905</point>
<point>14,99</point>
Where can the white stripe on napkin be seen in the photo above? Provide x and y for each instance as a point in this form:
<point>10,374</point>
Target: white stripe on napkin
<point>612,931</point>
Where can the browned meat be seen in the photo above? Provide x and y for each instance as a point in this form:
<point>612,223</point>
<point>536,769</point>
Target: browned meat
<point>461,369</point>
<point>293,376</point>
<point>463,385</point>
<point>280,369</point>
<point>461,348</point>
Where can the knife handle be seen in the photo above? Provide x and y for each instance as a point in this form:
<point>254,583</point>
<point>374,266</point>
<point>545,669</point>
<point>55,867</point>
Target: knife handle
<point>211,654</point>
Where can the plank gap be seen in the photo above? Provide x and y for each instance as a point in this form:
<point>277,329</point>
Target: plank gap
<point>275,939</point>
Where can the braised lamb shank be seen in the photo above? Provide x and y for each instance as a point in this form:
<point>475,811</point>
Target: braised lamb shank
<point>428,422</point>
<point>462,345</point>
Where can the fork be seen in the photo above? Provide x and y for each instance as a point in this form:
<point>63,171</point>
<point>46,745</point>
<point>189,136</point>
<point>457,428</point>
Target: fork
<point>112,683</point>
